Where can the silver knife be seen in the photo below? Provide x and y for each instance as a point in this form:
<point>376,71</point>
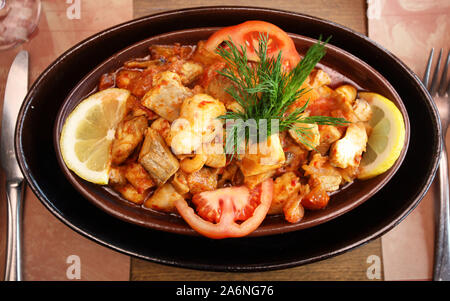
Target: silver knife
<point>15,92</point>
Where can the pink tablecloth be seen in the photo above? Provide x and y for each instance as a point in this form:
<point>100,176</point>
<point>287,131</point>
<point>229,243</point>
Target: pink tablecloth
<point>410,28</point>
<point>53,251</point>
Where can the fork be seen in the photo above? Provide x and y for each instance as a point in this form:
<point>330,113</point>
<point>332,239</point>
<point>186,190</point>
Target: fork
<point>440,93</point>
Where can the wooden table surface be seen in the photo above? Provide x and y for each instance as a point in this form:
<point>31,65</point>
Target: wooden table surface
<point>353,265</point>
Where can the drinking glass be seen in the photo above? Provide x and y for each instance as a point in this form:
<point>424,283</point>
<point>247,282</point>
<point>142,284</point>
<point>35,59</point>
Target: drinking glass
<point>18,20</point>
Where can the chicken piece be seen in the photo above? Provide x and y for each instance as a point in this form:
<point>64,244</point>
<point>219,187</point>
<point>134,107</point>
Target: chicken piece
<point>166,95</point>
<point>296,156</point>
<point>349,174</point>
<point>321,172</point>
<point>215,155</point>
<point>106,81</point>
<point>347,92</point>
<point>253,181</point>
<point>143,64</point>
<point>326,92</point>
<point>310,139</point>
<point>131,194</point>
<point>138,177</point>
<point>216,160</point>
<point>309,95</point>
<point>197,125</point>
<point>163,199</point>
<point>162,126</point>
<point>125,78</point>
<point>203,180</point>
<point>285,187</point>
<point>190,71</point>
<point>204,56</point>
<point>129,134</point>
<point>262,157</point>
<point>348,151</point>
<point>165,52</point>
<point>293,210</point>
<point>319,78</point>
<point>328,135</point>
<point>156,158</point>
<point>216,85</point>
<point>142,84</point>
<point>362,110</point>
<point>135,108</point>
<point>227,175</point>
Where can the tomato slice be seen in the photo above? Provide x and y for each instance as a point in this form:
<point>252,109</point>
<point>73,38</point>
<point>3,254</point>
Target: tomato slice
<point>224,207</point>
<point>248,33</point>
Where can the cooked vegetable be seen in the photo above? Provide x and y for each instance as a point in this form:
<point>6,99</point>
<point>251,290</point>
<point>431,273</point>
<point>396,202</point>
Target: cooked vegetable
<point>248,34</point>
<point>221,209</point>
<point>157,158</point>
<point>266,92</point>
<point>166,96</point>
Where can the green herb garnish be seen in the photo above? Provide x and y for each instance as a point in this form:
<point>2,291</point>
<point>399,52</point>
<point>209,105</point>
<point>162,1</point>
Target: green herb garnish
<point>265,91</point>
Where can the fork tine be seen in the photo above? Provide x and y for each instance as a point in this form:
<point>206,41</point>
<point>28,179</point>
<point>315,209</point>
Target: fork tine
<point>426,76</point>
<point>444,76</point>
<point>434,80</point>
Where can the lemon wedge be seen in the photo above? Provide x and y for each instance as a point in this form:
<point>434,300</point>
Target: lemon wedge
<point>386,139</point>
<point>89,131</point>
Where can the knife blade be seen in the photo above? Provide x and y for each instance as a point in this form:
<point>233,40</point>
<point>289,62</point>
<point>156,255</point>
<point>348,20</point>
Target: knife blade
<point>15,92</point>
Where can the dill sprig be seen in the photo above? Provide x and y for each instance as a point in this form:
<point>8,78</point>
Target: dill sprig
<point>265,91</point>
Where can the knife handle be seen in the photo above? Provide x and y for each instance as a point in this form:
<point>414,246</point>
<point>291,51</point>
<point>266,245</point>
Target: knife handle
<point>14,194</point>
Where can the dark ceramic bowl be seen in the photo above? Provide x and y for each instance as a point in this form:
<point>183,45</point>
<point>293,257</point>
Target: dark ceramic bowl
<point>371,218</point>
<point>345,67</point>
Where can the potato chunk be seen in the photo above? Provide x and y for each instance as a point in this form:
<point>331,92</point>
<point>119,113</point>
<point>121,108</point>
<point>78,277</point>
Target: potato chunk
<point>163,199</point>
<point>166,96</point>
<point>156,157</point>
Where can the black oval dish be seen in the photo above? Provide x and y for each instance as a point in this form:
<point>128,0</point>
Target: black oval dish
<point>344,67</point>
<point>37,158</point>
